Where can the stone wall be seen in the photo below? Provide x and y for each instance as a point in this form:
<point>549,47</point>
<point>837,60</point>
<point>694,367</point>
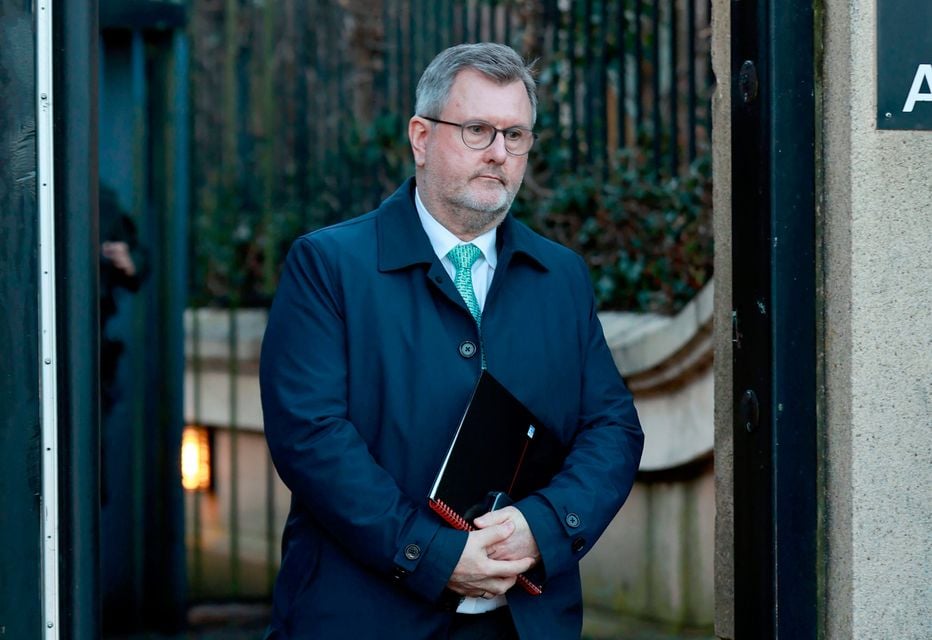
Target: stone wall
<point>655,562</point>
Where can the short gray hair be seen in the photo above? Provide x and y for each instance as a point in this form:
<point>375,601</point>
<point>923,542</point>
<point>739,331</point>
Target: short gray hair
<point>498,62</point>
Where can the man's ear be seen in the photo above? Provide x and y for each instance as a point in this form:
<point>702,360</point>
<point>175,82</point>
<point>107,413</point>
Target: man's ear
<point>418,130</point>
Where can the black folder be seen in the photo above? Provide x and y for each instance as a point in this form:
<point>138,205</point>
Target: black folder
<point>499,447</point>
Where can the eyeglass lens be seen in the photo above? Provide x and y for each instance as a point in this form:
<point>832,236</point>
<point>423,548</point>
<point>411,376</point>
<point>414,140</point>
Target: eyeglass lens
<point>479,135</point>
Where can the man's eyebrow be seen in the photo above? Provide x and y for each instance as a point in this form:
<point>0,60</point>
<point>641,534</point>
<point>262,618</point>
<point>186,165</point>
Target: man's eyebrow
<point>507,126</point>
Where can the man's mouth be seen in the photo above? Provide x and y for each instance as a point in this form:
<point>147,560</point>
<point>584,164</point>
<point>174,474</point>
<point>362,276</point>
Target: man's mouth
<point>486,176</point>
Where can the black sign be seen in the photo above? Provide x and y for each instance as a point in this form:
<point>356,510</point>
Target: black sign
<point>904,64</point>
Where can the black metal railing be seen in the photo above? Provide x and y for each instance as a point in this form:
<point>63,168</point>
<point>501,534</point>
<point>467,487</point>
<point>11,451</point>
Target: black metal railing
<point>300,107</point>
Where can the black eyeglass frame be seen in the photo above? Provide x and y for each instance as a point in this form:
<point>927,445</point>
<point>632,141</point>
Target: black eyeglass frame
<point>495,132</point>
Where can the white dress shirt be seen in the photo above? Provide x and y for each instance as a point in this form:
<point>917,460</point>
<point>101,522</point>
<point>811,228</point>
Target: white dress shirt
<point>442,240</point>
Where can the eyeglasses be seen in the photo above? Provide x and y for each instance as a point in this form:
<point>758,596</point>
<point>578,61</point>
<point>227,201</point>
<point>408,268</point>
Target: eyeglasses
<point>480,135</point>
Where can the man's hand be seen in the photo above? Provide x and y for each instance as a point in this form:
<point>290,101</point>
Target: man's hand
<point>118,253</point>
<point>479,576</point>
<point>519,545</point>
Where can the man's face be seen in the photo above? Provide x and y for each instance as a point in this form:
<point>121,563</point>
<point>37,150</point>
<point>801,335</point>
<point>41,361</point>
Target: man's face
<point>474,189</point>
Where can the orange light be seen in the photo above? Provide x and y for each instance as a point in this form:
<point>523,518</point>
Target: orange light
<point>195,459</point>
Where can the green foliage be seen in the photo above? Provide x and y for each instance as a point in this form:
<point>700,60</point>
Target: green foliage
<point>239,249</point>
<point>648,241</point>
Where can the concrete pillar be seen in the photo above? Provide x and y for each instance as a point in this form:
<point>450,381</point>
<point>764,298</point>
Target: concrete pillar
<point>877,345</point>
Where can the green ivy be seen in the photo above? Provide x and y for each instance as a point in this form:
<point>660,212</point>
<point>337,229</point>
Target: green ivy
<point>648,242</point>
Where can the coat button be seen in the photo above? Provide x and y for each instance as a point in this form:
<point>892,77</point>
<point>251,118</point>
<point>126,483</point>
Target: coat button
<point>572,520</point>
<point>467,349</point>
<point>412,552</point>
<point>578,545</point>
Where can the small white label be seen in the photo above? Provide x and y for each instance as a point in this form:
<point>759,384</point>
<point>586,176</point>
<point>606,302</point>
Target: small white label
<point>530,431</point>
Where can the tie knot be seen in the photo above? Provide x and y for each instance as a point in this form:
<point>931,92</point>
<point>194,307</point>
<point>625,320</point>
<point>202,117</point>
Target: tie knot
<point>463,256</point>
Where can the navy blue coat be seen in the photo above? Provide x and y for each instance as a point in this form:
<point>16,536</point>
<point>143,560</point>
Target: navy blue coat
<point>363,384</point>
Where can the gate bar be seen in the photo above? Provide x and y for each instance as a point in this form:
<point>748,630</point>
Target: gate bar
<point>48,349</point>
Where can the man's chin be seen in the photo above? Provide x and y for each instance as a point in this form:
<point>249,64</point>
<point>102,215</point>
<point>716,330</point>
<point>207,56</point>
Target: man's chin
<point>497,202</point>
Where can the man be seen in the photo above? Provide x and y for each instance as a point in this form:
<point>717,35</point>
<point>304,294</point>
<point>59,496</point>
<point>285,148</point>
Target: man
<point>378,333</point>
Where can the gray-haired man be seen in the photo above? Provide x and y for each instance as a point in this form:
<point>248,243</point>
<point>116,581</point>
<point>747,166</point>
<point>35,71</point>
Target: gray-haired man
<point>379,330</point>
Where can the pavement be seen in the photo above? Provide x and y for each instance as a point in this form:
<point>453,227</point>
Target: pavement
<point>247,622</point>
<point>227,621</point>
<point>605,625</point>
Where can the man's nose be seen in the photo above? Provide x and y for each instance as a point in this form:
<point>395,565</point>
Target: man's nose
<point>496,151</point>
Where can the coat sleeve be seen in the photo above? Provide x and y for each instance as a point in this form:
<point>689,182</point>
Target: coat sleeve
<point>569,515</point>
<point>320,455</point>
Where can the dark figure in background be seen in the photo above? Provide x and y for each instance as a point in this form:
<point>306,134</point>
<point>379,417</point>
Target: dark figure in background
<point>124,264</point>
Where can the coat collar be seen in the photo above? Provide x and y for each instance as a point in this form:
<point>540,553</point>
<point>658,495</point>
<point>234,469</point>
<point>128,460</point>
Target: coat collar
<point>403,243</point>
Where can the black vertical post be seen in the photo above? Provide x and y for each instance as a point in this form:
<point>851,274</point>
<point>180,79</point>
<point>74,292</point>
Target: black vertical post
<point>415,44</point>
<point>463,33</point>
<point>491,19</point>
<point>450,32</point>
<point>574,111</point>
<point>77,261</point>
<point>175,300</point>
<point>589,86</point>
<point>508,18</point>
<point>400,76</point>
<point>773,213</point>
<point>622,73</point>
<point>751,327</point>
<point>304,63</point>
<point>412,62</point>
<point>603,86</point>
<point>691,84</point>
<point>657,127</point>
<point>20,433</point>
<point>342,123</point>
<point>175,163</point>
<point>438,13</point>
<point>315,114</point>
<point>674,144</point>
<point>794,336</point>
<point>554,19</point>
<point>638,69</point>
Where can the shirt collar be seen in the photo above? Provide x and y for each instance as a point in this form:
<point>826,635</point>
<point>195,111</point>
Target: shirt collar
<point>442,239</point>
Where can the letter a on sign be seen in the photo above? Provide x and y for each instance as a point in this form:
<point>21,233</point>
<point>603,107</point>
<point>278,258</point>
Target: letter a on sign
<point>923,75</point>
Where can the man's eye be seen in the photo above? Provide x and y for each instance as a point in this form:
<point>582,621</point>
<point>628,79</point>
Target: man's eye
<point>514,134</point>
<point>476,129</point>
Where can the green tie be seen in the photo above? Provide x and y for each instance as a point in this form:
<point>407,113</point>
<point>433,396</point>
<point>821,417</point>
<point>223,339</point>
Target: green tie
<point>463,256</point>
